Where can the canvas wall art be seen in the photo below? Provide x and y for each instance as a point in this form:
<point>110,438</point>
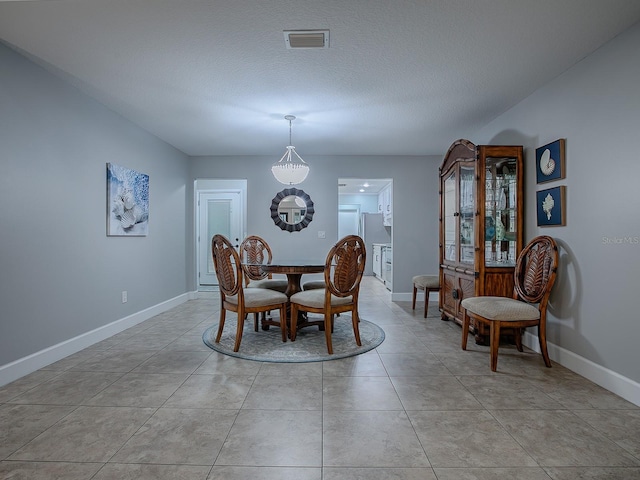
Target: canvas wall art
<point>127,202</point>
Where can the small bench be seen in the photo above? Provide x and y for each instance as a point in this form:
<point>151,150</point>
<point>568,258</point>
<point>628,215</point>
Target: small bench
<point>428,283</point>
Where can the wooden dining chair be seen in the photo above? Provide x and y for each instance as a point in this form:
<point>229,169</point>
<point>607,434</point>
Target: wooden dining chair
<point>534,276</point>
<point>343,271</point>
<point>235,298</point>
<point>255,251</point>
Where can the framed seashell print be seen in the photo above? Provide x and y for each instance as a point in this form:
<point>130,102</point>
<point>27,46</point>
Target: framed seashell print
<point>550,162</point>
<point>127,202</point>
<point>550,205</point>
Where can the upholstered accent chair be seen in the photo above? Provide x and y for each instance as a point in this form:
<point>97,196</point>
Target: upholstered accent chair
<point>235,298</point>
<point>343,271</point>
<point>428,283</point>
<point>534,276</point>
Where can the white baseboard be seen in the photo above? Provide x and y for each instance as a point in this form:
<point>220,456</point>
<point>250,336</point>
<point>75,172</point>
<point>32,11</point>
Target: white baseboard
<point>26,365</point>
<point>612,381</point>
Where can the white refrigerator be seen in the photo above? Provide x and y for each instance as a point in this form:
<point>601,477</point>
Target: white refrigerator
<point>373,231</point>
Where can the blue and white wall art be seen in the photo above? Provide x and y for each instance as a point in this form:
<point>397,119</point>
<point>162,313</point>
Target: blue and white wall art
<point>127,202</point>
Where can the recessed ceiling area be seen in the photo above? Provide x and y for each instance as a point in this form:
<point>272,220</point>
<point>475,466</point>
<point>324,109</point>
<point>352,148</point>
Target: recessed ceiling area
<point>400,77</point>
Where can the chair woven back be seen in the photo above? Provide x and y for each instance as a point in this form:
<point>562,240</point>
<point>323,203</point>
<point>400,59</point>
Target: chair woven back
<point>226,262</point>
<point>535,271</point>
<point>254,249</point>
<point>344,266</point>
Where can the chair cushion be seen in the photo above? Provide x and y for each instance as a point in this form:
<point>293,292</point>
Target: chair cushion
<point>315,299</point>
<point>426,281</point>
<point>501,308</point>
<point>277,285</point>
<point>259,297</point>
<point>313,285</point>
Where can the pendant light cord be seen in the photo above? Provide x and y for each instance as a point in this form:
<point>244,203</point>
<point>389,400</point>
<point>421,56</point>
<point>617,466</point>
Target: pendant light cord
<point>290,118</point>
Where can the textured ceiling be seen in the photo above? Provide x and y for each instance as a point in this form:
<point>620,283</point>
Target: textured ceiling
<point>400,77</point>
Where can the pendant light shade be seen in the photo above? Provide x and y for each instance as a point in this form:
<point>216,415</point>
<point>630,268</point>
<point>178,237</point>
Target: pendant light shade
<point>291,169</point>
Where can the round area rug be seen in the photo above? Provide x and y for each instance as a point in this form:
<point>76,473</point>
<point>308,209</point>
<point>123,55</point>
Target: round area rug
<point>310,344</point>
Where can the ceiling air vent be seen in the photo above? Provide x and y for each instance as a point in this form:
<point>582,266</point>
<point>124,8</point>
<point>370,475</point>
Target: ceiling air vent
<point>306,38</point>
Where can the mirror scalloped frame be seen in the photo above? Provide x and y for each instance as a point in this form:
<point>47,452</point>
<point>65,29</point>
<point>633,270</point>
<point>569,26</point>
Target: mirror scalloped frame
<point>306,220</point>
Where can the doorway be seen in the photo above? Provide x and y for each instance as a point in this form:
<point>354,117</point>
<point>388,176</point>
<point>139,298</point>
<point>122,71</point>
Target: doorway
<point>365,209</point>
<point>219,210</point>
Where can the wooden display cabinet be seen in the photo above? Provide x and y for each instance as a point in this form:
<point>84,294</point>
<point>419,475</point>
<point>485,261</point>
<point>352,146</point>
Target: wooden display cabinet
<point>481,224</point>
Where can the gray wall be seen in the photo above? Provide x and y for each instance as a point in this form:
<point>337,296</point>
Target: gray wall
<point>415,206</point>
<point>596,106</point>
<point>61,276</point>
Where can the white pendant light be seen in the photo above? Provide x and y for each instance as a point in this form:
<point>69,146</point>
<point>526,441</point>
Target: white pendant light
<point>291,169</point>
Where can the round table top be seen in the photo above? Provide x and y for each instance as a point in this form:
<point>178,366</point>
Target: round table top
<point>293,267</point>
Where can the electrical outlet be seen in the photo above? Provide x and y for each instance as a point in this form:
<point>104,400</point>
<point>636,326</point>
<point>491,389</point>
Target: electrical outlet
<point>321,234</point>
<point>124,296</point>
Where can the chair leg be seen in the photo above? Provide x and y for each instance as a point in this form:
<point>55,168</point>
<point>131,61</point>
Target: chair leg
<point>465,329</point>
<point>255,321</point>
<point>327,333</point>
<point>518,339</point>
<point>293,325</point>
<point>426,301</point>
<point>542,338</point>
<point>494,332</point>
<point>236,345</point>
<point>283,322</point>
<point>220,324</point>
<point>415,293</point>
<point>356,330</point>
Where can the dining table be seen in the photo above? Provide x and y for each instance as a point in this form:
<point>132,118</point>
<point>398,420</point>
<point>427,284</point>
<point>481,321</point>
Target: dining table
<point>294,270</point>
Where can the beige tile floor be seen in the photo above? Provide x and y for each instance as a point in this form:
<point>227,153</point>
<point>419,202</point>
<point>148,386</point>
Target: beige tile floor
<point>154,402</point>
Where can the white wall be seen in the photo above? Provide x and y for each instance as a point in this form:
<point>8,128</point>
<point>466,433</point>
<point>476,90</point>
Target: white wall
<point>596,106</point>
<point>61,276</point>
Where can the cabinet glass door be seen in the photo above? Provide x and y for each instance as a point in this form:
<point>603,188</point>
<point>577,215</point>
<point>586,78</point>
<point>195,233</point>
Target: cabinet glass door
<point>449,218</point>
<point>467,177</point>
<point>500,221</point>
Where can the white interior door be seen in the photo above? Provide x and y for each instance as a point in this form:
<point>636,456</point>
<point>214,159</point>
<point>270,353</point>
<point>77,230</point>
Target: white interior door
<point>219,212</point>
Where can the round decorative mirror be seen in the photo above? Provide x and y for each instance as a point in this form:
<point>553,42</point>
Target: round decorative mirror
<point>292,209</point>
